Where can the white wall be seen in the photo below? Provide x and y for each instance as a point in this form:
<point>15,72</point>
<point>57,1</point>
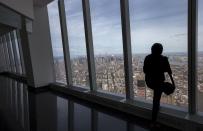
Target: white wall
<point>24,7</point>
<point>41,49</point>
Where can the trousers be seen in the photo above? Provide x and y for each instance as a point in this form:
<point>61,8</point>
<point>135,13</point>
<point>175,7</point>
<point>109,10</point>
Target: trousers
<point>156,103</point>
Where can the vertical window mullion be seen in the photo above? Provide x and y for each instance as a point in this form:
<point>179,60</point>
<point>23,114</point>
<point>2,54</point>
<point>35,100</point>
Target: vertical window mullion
<point>5,57</point>
<point>14,51</point>
<point>8,64</point>
<point>1,56</point>
<point>192,46</point>
<point>65,42</point>
<point>4,53</point>
<point>20,51</point>
<point>10,52</point>
<point>89,44</point>
<point>125,19</point>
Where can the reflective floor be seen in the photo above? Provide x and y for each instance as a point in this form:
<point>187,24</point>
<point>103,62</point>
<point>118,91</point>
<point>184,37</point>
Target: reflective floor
<point>25,110</point>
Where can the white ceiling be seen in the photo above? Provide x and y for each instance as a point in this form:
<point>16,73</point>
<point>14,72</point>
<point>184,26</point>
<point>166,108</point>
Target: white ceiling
<point>41,2</point>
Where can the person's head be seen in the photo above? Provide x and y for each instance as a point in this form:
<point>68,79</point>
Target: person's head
<point>157,49</point>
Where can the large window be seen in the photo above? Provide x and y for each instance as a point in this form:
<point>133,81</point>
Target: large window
<point>77,45</point>
<point>163,22</point>
<point>55,29</point>
<point>152,21</point>
<point>10,53</point>
<point>108,49</point>
<point>200,57</point>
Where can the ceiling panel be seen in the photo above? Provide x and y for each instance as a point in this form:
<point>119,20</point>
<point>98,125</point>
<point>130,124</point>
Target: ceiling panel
<point>41,2</point>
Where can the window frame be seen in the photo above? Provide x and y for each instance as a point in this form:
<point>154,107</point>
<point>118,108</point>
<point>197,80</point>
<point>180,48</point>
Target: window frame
<point>14,49</point>
<point>1,55</point>
<point>65,42</point>
<point>7,54</point>
<point>10,52</point>
<point>192,56</point>
<point>124,9</point>
<point>20,52</point>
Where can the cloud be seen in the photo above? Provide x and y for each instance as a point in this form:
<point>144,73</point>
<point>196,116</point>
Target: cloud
<point>151,21</point>
<point>55,29</point>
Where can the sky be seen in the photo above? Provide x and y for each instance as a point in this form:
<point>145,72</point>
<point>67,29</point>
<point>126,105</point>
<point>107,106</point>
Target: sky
<point>163,21</point>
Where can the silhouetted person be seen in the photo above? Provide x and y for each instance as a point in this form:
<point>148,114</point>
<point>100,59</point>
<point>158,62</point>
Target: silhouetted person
<point>155,65</point>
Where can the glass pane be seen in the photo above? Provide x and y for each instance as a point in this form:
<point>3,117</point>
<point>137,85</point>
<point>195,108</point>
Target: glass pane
<point>9,42</point>
<point>108,48</point>
<point>200,56</point>
<point>110,123</point>
<point>56,40</point>
<point>14,52</point>
<point>77,45</point>
<point>18,61</point>
<point>1,56</point>
<point>82,118</point>
<point>21,52</point>
<point>8,63</point>
<point>4,52</point>
<point>62,114</point>
<point>160,21</point>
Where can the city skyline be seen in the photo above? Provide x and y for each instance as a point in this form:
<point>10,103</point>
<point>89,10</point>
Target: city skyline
<point>110,76</point>
<point>200,54</point>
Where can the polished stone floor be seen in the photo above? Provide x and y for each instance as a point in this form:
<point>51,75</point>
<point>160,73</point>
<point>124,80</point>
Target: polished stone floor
<point>22,109</point>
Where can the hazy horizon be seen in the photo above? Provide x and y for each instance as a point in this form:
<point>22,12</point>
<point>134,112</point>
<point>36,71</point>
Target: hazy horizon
<point>137,54</point>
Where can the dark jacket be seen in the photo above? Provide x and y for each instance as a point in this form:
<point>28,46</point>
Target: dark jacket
<point>154,68</point>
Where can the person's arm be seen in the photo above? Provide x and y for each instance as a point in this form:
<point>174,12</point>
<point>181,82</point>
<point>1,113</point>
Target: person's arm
<point>170,72</point>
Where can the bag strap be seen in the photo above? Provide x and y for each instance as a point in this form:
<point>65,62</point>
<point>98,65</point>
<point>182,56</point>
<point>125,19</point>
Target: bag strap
<point>171,77</point>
